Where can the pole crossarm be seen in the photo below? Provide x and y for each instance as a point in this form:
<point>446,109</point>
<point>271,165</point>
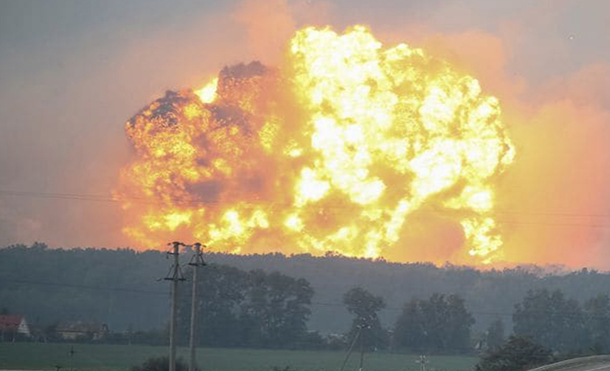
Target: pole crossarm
<point>197,259</point>
<point>175,272</point>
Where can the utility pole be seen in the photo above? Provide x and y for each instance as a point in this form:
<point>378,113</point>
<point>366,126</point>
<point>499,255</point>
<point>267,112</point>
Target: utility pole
<point>361,351</point>
<point>422,362</point>
<point>196,262</point>
<point>351,347</point>
<point>362,333</point>
<point>175,275</point>
<point>71,353</point>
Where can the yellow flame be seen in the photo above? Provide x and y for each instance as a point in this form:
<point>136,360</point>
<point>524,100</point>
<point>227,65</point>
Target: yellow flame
<point>207,94</point>
<point>333,152</point>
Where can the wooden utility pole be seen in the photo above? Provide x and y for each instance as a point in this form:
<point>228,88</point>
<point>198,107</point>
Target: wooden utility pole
<point>72,352</point>
<point>196,262</point>
<point>351,347</point>
<point>175,275</point>
<point>423,361</point>
<point>361,368</point>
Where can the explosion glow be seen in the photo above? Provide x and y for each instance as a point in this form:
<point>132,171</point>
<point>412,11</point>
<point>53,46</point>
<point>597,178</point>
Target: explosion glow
<point>334,151</point>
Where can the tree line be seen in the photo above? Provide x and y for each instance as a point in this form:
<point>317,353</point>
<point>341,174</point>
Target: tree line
<point>271,310</point>
<point>442,324</point>
<point>337,301</point>
<point>240,308</point>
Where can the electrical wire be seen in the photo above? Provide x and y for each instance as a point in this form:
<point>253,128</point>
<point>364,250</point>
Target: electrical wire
<point>312,303</point>
<point>201,203</point>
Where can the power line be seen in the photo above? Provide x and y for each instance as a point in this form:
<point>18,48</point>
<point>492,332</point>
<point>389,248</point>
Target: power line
<point>478,313</point>
<point>68,196</point>
<point>312,303</point>
<point>554,213</point>
<point>585,225</point>
<point>86,287</point>
<point>277,205</point>
<point>115,199</point>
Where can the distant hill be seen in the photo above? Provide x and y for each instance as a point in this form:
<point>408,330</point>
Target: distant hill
<point>122,287</point>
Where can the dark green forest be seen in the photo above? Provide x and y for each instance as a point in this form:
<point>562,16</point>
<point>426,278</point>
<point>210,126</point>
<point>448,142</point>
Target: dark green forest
<point>125,289</point>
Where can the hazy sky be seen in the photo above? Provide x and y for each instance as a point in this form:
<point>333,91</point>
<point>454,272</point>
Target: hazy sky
<point>73,71</point>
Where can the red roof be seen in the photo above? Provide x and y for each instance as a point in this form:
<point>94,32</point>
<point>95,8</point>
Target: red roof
<point>10,321</point>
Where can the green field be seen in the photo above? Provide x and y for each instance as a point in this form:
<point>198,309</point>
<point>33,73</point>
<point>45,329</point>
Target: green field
<point>38,356</point>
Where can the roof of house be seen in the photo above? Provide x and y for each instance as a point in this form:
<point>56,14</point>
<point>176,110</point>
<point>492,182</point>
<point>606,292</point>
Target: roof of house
<point>10,321</point>
<point>83,327</point>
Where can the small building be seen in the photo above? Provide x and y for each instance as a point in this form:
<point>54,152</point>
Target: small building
<point>82,330</point>
<point>12,325</point>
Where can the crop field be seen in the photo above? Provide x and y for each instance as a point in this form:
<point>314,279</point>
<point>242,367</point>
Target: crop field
<point>39,356</point>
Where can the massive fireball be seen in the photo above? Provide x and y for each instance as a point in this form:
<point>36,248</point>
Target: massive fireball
<point>332,151</point>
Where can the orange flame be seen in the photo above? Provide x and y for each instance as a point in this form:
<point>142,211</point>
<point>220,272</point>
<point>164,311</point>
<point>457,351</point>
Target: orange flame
<point>332,152</point>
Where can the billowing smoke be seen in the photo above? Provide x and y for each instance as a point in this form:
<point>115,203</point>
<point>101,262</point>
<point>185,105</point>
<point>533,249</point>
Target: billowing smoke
<point>546,62</point>
<point>350,147</point>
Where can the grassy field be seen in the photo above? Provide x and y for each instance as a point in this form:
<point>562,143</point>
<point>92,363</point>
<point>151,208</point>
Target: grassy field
<point>36,356</point>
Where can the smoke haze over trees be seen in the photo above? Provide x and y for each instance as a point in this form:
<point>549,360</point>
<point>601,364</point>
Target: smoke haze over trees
<point>248,309</point>
<point>562,324</point>
<point>120,288</point>
<point>364,307</point>
<point>518,353</point>
<point>274,301</point>
<point>440,323</point>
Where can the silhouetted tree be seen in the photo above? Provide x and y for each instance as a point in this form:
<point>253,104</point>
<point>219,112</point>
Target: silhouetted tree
<point>440,323</point>
<point>551,320</point>
<point>223,290</point>
<point>517,354</point>
<point>364,306</point>
<point>276,311</point>
<point>494,336</point>
<point>256,308</point>
<point>410,330</point>
<point>597,322</point>
<point>120,286</point>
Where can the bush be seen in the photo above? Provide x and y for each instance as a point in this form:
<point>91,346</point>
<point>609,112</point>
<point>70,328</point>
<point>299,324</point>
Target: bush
<point>518,353</point>
<point>160,364</point>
